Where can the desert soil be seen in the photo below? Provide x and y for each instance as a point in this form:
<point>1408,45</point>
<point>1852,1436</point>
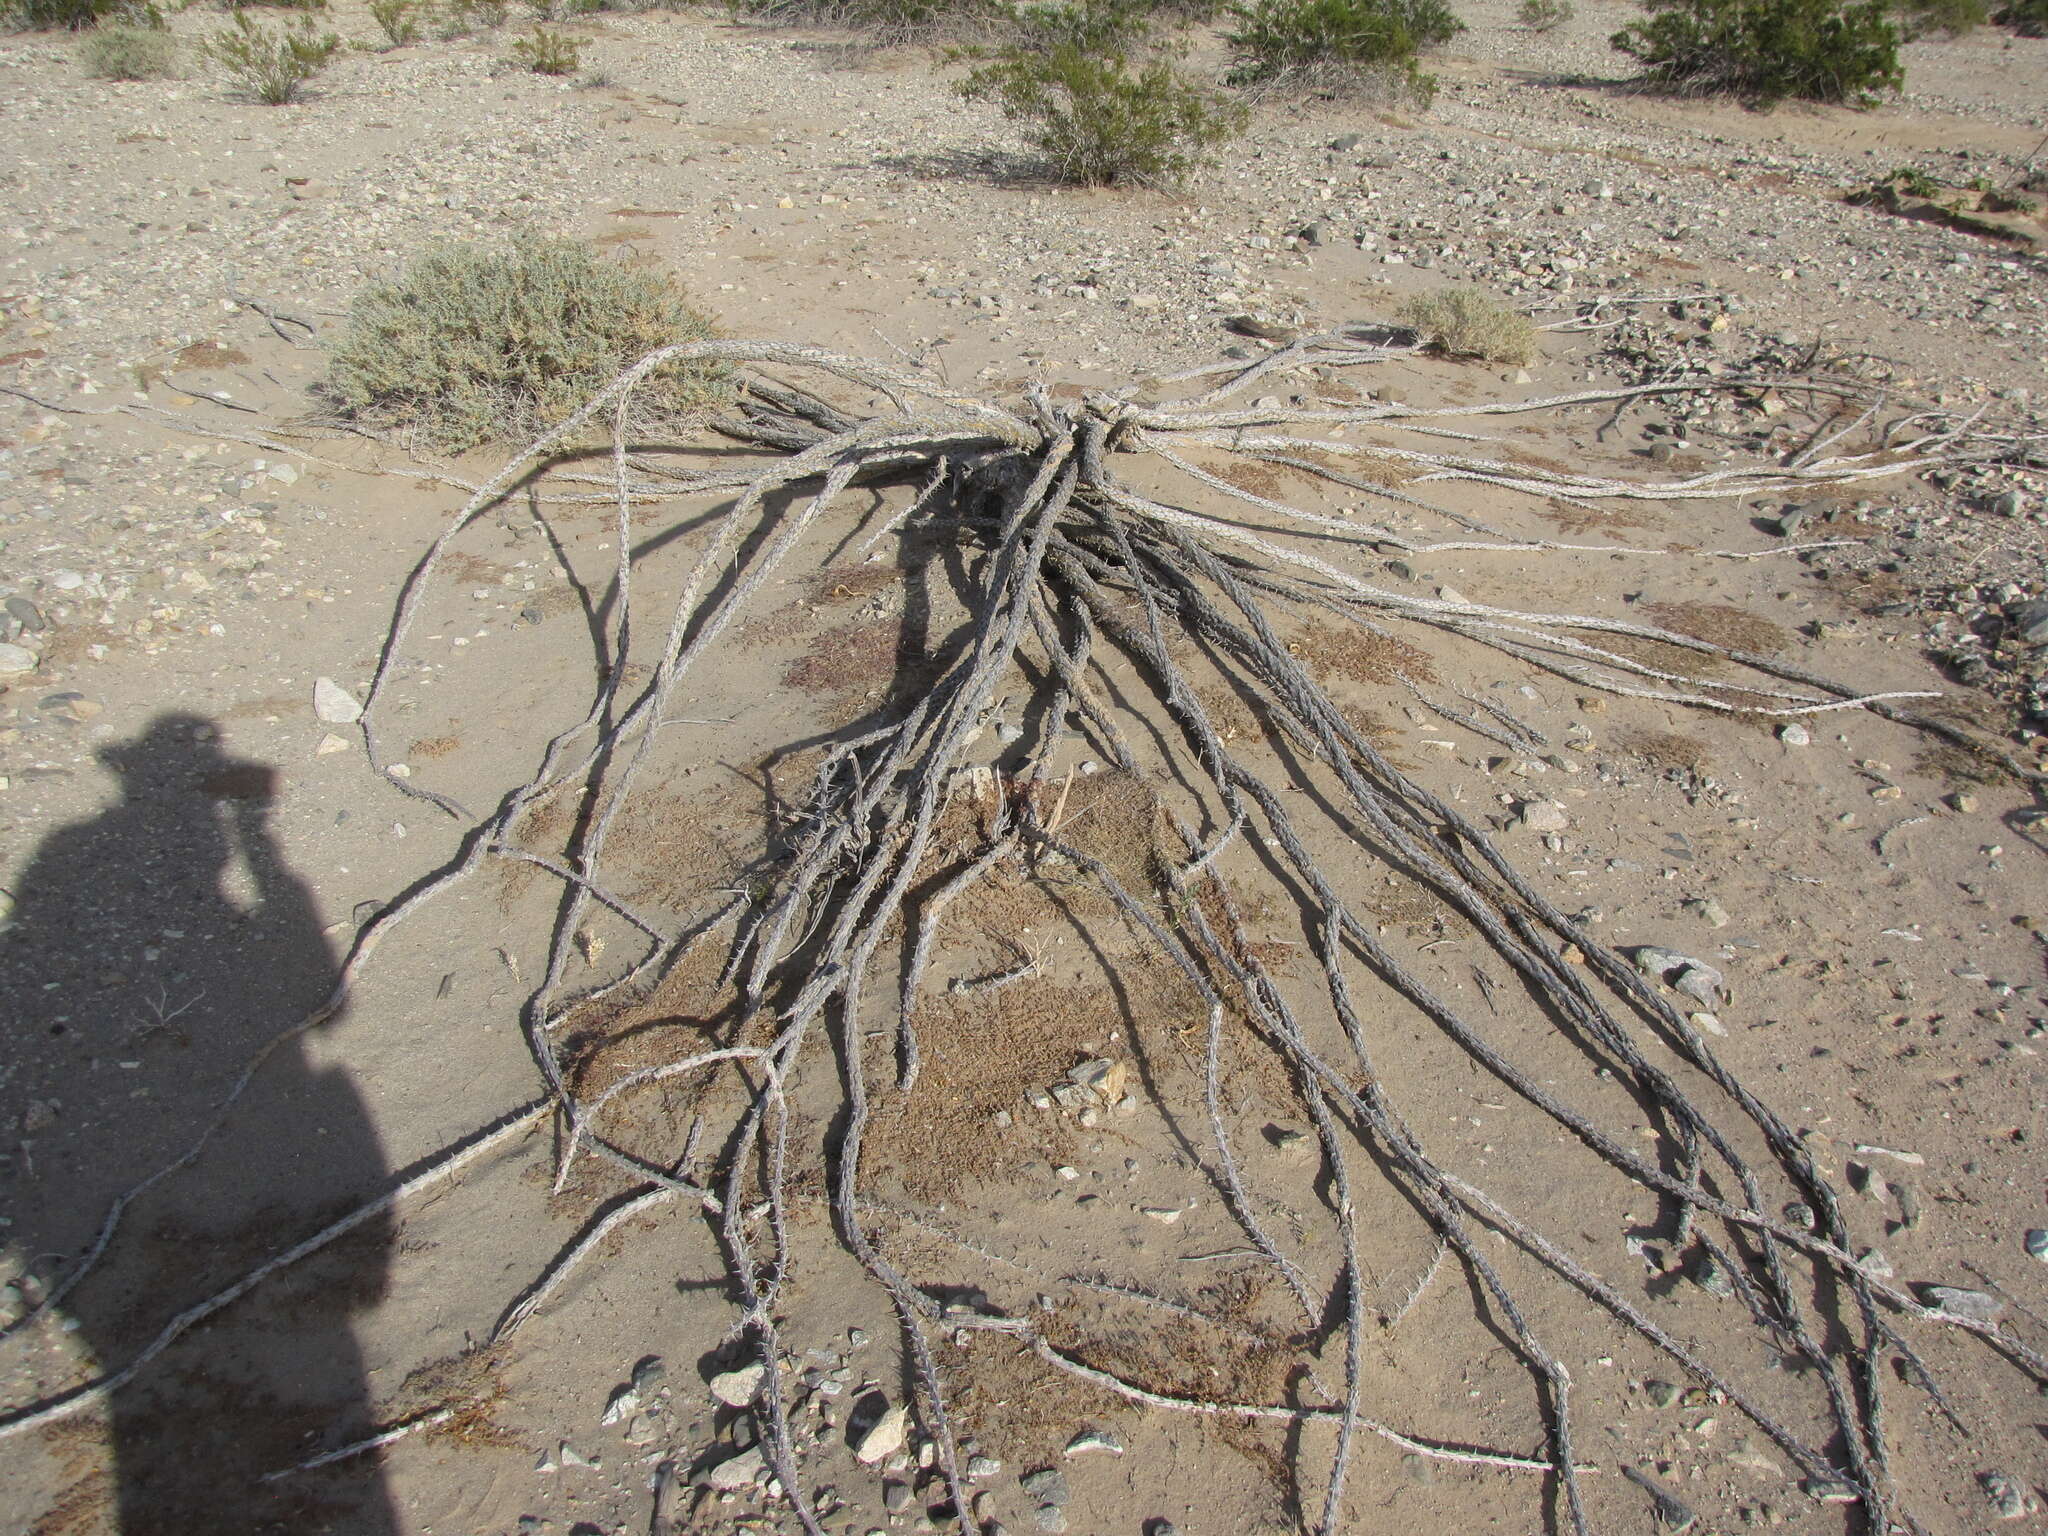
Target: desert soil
<point>186,855</point>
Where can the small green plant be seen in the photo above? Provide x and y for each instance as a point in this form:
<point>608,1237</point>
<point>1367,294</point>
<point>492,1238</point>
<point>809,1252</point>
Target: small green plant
<point>1333,43</point>
<point>129,50</point>
<point>272,66</point>
<point>561,10</point>
<point>1544,15</point>
<point>2029,18</point>
<point>476,342</point>
<point>57,15</point>
<point>1914,182</point>
<point>1464,322</point>
<point>1100,116</point>
<point>399,19</point>
<point>462,18</point>
<point>1948,18</point>
<point>548,52</point>
<point>1767,50</point>
<point>885,23</point>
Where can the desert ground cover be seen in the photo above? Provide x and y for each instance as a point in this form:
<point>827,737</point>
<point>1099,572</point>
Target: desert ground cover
<point>1261,918</point>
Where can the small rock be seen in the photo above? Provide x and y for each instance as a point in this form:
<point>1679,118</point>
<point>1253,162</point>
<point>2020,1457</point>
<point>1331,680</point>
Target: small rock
<point>644,1429</point>
<point>1790,521</point>
<point>569,1456</point>
<point>1543,816</point>
<point>1793,734</point>
<point>624,1404</point>
<point>16,659</point>
<point>981,1468</point>
<point>1707,1024</point>
<point>1166,1216</point>
<point>2037,1244</point>
<point>745,1470</point>
<point>1095,1439</point>
<point>1703,984</point>
<point>2007,1495</point>
<point>736,1388</point>
<point>1872,1262</point>
<point>1345,143</point>
<point>1970,1306</point>
<point>895,1497</point>
<point>25,613</point>
<point>1662,1394</point>
<point>885,1437</point>
<point>330,744</point>
<point>1709,910</point>
<point>1708,1275</point>
<point>2029,621</point>
<point>1048,1485</point>
<point>334,704</point>
<point>1049,1518</point>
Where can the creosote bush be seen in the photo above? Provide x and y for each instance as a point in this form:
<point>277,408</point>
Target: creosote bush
<point>885,22</point>
<point>57,15</point>
<point>475,342</point>
<point>130,50</point>
<point>1544,15</point>
<point>1943,18</point>
<point>548,53</point>
<point>462,18</point>
<point>399,19</point>
<point>1102,115</point>
<point>1465,322</point>
<point>1767,50</point>
<point>1334,44</point>
<point>273,66</point>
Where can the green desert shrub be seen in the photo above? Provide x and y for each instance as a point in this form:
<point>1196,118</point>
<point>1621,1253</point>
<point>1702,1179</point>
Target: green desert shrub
<point>887,22</point>
<point>1102,114</point>
<point>272,65</point>
<point>1544,15</point>
<point>400,20</point>
<point>461,18</point>
<point>1767,50</point>
<point>477,342</point>
<point>1331,43</point>
<point>128,50</point>
<point>58,15</point>
<point>547,52</point>
<point>2029,18</point>
<point>1464,322</point>
<point>1946,18</point>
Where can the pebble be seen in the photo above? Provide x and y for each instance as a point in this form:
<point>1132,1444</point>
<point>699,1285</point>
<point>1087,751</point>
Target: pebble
<point>16,659</point>
<point>745,1470</point>
<point>1543,816</point>
<point>1793,734</point>
<point>2006,1494</point>
<point>1096,1439</point>
<point>1970,1306</point>
<point>2037,1244</point>
<point>736,1388</point>
<point>1662,1394</point>
<point>331,744</point>
<point>981,1468</point>
<point>1709,911</point>
<point>884,1437</point>
<point>1049,1518</point>
<point>334,704</point>
<point>1048,1485</point>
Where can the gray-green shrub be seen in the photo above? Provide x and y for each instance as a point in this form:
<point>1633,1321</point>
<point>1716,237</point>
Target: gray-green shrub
<point>1104,109</point>
<point>1767,50</point>
<point>478,342</point>
<point>1329,43</point>
<point>398,19</point>
<point>272,65</point>
<point>126,50</point>
<point>1464,322</point>
<point>548,53</point>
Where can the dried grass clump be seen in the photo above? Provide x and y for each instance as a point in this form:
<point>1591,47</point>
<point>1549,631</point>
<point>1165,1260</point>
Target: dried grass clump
<point>476,342</point>
<point>1467,323</point>
<point>128,51</point>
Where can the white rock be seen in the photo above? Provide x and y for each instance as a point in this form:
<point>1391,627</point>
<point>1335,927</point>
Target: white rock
<point>331,744</point>
<point>334,704</point>
<point>1795,735</point>
<point>736,1389</point>
<point>1543,816</point>
<point>736,1472</point>
<point>1094,1440</point>
<point>16,659</point>
<point>885,1437</point>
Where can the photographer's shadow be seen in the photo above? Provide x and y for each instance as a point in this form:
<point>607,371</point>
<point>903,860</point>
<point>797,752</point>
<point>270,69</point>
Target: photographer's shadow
<point>153,952</point>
